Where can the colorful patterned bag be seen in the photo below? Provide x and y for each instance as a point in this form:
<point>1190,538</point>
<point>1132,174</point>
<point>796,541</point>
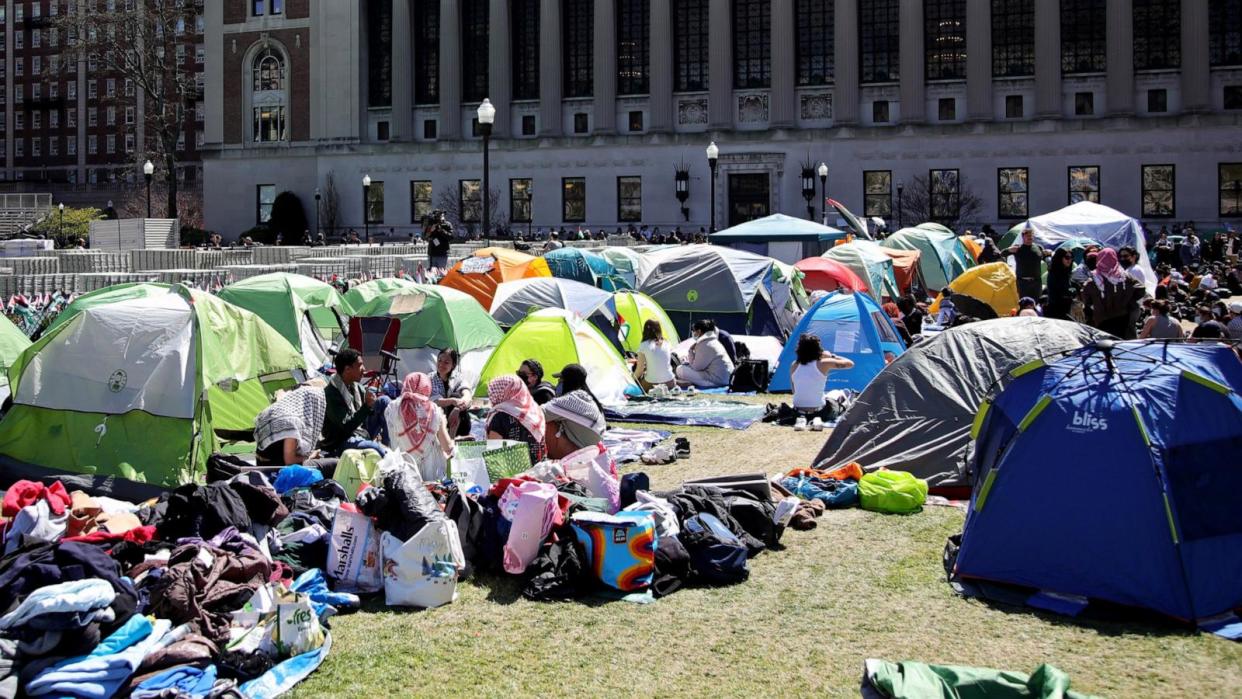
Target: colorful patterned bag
<point>620,548</point>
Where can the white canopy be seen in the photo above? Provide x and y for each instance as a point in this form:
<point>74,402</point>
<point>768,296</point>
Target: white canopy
<point>1097,222</point>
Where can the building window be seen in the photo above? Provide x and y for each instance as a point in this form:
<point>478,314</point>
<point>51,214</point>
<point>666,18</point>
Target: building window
<point>1014,108</point>
<point>633,46</point>
<point>879,112</point>
<point>1158,185</point>
<point>944,23</point>
<point>578,19</point>
<point>1084,184</point>
<point>429,129</point>
<point>528,124</point>
<point>420,200</point>
<point>582,123</point>
<point>470,193</point>
<point>690,27</point>
<point>629,199</point>
<point>573,199</point>
<point>269,72</point>
<point>374,212</point>
<point>474,47</point>
<point>1230,179</point>
<point>878,193</point>
<point>636,122</point>
<point>427,52</point>
<point>1012,189</point>
<point>1084,103</point>
<point>947,108</point>
<point>269,82</point>
<point>1233,97</point>
<point>520,193</point>
<point>1157,34</point>
<point>879,46</point>
<point>815,41</point>
<point>269,124</point>
<point>1157,101</point>
<point>268,7</point>
<point>379,53</point>
<point>1225,32</point>
<point>1013,38</point>
<point>752,43</point>
<point>525,19</point>
<point>381,131</point>
<point>265,196</point>
<point>1083,39</point>
<point>945,195</point>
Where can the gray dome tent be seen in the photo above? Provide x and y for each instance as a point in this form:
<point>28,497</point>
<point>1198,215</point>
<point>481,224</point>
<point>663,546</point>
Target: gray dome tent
<point>916,414</point>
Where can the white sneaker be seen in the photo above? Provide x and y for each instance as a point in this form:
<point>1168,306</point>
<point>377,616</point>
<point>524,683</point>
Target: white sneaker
<point>817,425</point>
<point>800,425</point>
<point>691,391</point>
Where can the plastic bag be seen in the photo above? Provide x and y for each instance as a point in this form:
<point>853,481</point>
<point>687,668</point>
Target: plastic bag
<point>353,553</point>
<point>422,572</point>
<point>896,492</point>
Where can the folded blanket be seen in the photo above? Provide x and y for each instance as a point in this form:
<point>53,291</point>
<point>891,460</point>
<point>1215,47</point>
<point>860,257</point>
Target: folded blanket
<point>69,597</point>
<point>101,673</point>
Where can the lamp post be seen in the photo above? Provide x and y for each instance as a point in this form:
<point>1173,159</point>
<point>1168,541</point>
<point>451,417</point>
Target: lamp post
<point>900,189</point>
<point>147,170</point>
<point>808,191</point>
<point>487,115</point>
<point>713,154</point>
<point>318,196</point>
<point>823,191</point>
<point>681,187</point>
<point>366,206</point>
<point>60,229</point>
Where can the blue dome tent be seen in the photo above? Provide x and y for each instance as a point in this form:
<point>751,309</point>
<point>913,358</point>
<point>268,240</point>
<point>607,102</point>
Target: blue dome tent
<point>586,267</point>
<point>1112,474</point>
<point>851,325</point>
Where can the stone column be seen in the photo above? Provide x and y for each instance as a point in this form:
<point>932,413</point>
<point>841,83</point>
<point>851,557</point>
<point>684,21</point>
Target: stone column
<point>913,85</point>
<point>979,60</point>
<point>450,70</point>
<point>783,110</point>
<point>9,107</point>
<point>551,87</point>
<point>1048,59</point>
<point>1119,20</point>
<point>845,63</point>
<point>401,127</point>
<point>1196,75</point>
<point>660,102</point>
<point>720,60</point>
<point>604,63</point>
<point>500,66</point>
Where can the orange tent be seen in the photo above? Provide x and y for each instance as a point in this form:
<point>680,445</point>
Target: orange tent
<point>905,265</point>
<point>480,274</point>
<point>972,245</point>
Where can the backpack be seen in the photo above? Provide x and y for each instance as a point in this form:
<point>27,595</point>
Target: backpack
<point>559,572</point>
<point>750,376</point>
<point>467,513</point>
<point>672,567</point>
<point>717,557</point>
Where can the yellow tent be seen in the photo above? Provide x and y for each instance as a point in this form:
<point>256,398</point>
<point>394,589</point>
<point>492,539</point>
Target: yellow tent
<point>986,291</point>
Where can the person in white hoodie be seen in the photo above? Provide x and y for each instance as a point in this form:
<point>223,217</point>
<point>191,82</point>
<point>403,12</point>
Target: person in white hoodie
<point>708,365</point>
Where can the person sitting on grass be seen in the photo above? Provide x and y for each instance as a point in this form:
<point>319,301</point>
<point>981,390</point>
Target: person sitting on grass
<point>531,371</point>
<point>708,364</point>
<point>354,415</point>
<point>516,416</point>
<point>418,427</point>
<point>287,431</point>
<point>449,394</point>
<point>655,365</point>
<point>575,421</point>
<point>809,377</point>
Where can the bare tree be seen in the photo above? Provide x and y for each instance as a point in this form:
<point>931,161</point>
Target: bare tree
<point>948,201</point>
<point>137,40</point>
<point>330,208</point>
<point>449,200</point>
<point>189,204</point>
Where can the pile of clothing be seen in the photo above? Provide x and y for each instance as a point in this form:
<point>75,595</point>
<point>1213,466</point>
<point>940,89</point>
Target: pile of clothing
<point>894,492</point>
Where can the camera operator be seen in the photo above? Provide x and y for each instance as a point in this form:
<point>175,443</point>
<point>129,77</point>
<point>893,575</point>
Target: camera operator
<point>439,234</point>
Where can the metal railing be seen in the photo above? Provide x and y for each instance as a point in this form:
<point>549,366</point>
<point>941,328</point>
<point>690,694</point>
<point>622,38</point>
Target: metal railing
<point>18,211</point>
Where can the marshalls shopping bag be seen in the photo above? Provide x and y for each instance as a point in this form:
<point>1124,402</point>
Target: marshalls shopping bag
<point>422,572</point>
<point>353,553</point>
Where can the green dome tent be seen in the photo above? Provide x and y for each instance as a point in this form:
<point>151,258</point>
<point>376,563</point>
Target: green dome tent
<point>636,308</point>
<point>305,311</point>
<point>435,318</point>
<point>364,293</point>
<point>136,389</point>
<point>556,337</point>
<point>106,295</point>
<point>865,259</point>
<point>943,256</point>
<point>12,343</point>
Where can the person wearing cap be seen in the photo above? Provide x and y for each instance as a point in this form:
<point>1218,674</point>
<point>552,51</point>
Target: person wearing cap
<point>531,371</point>
<point>575,422</point>
<point>1235,321</point>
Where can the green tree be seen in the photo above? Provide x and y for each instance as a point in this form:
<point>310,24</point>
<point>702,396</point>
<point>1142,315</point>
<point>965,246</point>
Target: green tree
<point>76,224</point>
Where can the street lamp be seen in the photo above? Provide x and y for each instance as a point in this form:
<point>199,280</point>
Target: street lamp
<point>487,115</point>
<point>808,191</point>
<point>681,187</point>
<point>60,230</point>
<point>317,198</point>
<point>900,189</point>
<point>713,154</point>
<point>147,170</point>
<point>366,206</point>
<point>823,191</point>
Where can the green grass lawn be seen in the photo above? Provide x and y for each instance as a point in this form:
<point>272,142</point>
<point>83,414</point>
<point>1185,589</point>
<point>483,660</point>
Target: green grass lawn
<point>861,585</point>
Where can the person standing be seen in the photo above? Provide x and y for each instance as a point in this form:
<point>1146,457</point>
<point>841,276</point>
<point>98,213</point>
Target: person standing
<point>1028,259</point>
<point>1189,252</point>
<point>1059,292</point>
<point>438,241</point>
<point>1111,296</point>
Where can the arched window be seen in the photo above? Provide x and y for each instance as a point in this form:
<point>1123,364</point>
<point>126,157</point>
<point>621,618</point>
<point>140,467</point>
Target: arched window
<point>269,97</point>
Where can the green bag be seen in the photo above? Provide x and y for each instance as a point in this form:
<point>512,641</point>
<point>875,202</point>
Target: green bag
<point>509,460</point>
<point>896,492</point>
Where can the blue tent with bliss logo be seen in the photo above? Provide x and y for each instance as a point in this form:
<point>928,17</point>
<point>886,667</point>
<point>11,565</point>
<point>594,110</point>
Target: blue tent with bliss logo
<point>848,324</point>
<point>1112,474</point>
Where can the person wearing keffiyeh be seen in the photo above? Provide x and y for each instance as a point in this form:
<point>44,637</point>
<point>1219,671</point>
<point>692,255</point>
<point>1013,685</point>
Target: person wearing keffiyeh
<point>514,415</point>
<point>287,431</point>
<point>1111,296</point>
<point>417,427</point>
<point>575,421</point>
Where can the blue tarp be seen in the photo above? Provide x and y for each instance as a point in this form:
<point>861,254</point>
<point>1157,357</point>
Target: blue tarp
<point>703,412</point>
<point>851,325</point>
<point>1114,475</point>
